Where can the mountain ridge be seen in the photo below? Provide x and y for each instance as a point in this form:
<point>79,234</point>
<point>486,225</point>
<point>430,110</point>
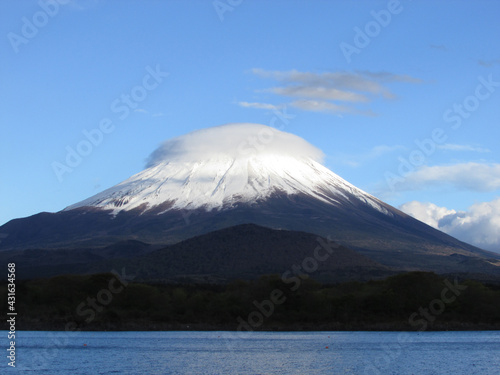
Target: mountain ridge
<point>190,188</point>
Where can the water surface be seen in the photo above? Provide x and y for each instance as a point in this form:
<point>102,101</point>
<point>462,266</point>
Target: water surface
<point>57,353</point>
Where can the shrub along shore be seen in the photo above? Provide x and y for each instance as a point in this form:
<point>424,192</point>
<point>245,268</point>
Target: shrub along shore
<point>406,302</point>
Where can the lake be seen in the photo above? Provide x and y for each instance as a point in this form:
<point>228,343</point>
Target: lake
<point>55,353</point>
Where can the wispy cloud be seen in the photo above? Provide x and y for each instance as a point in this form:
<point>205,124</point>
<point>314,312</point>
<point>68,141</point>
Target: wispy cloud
<point>465,176</point>
<point>488,63</point>
<point>327,93</point>
<point>455,147</point>
<point>478,225</point>
<point>324,106</point>
<point>440,47</point>
<point>382,150</point>
<point>356,160</point>
<point>259,105</point>
<point>364,81</point>
<point>333,92</point>
<point>389,77</point>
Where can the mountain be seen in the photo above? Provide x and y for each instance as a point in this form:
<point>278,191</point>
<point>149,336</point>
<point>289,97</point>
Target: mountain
<point>244,251</point>
<point>222,180</point>
<point>237,174</point>
<point>248,251</point>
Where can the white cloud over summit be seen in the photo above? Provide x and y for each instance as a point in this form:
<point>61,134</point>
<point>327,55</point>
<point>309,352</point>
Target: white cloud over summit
<point>235,140</point>
<point>479,225</point>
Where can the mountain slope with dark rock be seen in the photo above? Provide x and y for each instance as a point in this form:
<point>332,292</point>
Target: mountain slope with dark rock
<point>248,251</point>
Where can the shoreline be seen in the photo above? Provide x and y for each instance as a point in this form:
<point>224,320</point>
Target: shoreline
<point>203,327</point>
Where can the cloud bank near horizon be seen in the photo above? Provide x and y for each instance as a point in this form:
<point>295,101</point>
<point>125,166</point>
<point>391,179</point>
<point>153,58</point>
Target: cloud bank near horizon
<point>479,225</point>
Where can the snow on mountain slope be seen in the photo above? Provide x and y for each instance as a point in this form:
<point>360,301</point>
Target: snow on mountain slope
<point>221,166</point>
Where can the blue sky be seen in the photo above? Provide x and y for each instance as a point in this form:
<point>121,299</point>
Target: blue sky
<point>367,82</point>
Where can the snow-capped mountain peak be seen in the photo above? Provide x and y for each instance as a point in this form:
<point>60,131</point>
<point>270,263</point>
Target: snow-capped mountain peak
<point>222,166</point>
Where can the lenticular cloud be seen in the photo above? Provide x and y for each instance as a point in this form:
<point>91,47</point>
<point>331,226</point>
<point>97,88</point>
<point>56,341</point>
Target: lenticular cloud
<point>234,140</point>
